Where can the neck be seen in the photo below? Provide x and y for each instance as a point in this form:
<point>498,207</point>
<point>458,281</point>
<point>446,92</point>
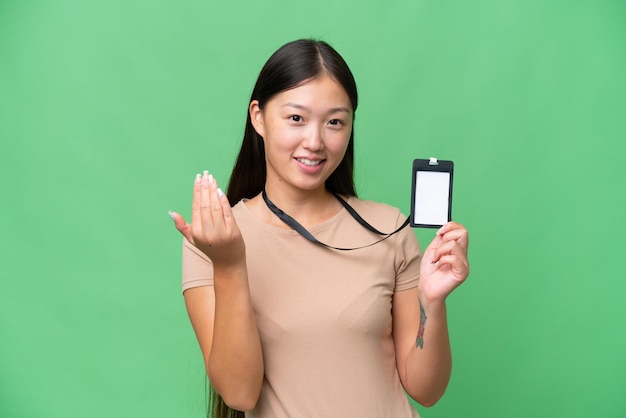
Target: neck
<point>309,207</point>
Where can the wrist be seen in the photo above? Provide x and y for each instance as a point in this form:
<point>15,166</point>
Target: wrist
<point>224,273</point>
<point>230,266</point>
<point>432,305</point>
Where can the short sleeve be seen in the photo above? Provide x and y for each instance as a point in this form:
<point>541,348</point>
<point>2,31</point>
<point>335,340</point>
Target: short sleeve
<point>408,256</point>
<point>197,267</point>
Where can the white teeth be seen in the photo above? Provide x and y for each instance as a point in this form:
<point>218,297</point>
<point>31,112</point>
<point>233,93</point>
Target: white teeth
<point>308,162</point>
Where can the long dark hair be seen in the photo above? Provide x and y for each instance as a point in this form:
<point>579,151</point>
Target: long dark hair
<point>288,67</point>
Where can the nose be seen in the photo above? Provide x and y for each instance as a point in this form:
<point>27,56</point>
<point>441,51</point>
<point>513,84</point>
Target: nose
<point>314,139</point>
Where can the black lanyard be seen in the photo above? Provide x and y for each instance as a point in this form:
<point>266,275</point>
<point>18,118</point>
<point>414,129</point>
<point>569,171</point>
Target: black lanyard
<point>306,234</point>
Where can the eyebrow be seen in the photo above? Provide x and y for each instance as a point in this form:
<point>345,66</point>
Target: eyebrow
<point>333,110</point>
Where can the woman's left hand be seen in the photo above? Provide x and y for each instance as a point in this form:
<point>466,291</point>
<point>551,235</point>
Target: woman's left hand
<point>444,265</point>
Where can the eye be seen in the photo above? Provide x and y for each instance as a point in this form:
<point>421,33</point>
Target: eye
<point>295,118</point>
<point>335,122</point>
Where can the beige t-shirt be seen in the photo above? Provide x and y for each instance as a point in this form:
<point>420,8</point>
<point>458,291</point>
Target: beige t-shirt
<point>324,316</point>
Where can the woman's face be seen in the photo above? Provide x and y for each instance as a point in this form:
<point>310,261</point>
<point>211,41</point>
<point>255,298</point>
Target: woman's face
<point>306,132</point>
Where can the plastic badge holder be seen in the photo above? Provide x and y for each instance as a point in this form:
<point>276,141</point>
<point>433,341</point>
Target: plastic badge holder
<point>431,194</point>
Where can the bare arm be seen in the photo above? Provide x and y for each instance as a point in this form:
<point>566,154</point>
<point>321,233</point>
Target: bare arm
<point>222,316</point>
<point>420,326</point>
<point>424,371</point>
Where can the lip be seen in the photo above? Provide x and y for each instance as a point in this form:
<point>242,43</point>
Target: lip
<point>310,169</point>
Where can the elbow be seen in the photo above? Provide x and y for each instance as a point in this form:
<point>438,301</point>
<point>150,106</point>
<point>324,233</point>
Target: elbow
<point>426,400</point>
<point>428,390</point>
<point>237,396</point>
<point>238,399</point>
<point>240,403</point>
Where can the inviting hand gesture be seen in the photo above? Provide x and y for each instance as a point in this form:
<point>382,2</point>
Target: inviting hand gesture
<point>444,265</point>
<point>213,229</point>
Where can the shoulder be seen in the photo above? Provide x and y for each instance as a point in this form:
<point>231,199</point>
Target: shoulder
<point>372,206</point>
<point>242,212</point>
<point>388,218</point>
<point>246,220</point>
<point>378,214</point>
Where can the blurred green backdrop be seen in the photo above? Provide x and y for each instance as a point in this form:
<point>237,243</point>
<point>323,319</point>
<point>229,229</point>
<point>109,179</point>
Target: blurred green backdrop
<point>109,108</point>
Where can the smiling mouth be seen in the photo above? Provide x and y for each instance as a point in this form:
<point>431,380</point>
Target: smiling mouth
<point>310,163</point>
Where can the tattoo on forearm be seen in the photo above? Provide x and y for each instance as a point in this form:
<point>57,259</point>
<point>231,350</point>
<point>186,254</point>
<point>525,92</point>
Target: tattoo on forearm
<point>419,342</point>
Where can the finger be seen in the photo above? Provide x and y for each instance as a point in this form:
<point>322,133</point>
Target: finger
<point>449,226</point>
<point>436,242</point>
<point>205,202</point>
<point>182,225</point>
<point>454,231</point>
<point>459,254</point>
<point>196,216</point>
<point>217,207</point>
<point>445,248</point>
<point>458,265</point>
<point>429,263</point>
<point>451,247</point>
<point>458,235</point>
<point>453,234</point>
<point>428,256</point>
<point>227,210</point>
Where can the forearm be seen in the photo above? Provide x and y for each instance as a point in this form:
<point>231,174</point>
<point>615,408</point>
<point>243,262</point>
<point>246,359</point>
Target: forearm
<point>429,363</point>
<point>235,364</point>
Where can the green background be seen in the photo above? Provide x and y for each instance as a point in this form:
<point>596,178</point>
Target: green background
<point>108,109</point>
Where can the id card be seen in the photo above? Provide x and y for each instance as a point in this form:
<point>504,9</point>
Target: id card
<point>431,193</point>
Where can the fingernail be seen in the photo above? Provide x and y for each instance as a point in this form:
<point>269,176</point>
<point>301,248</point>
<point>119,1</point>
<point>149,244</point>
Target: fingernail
<point>171,214</point>
<point>198,178</point>
<point>220,193</point>
<point>205,175</point>
<point>211,179</point>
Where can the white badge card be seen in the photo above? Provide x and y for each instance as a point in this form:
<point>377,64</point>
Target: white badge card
<point>431,194</point>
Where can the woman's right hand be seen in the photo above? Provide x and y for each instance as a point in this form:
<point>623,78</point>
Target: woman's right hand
<point>222,315</point>
<point>213,229</point>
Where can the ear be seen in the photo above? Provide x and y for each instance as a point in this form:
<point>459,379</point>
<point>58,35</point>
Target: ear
<point>256,117</point>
